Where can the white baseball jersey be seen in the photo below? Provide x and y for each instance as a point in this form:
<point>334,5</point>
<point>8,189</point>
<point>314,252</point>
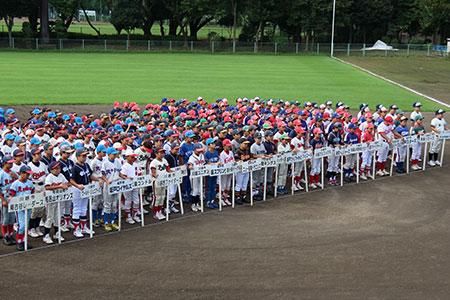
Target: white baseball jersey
<point>226,157</point>
<point>51,179</point>
<point>39,172</point>
<point>96,166</point>
<point>111,169</point>
<point>439,124</point>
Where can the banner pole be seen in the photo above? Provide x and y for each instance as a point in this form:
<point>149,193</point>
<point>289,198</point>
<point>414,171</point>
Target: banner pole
<point>293,178</point>
<point>91,235</point>
<point>374,162</point>
<point>424,161</point>
<point>232,191</point>
<point>442,151</point>
<point>251,188</point>
<point>119,212</point>
<point>265,184</point>
<point>342,170</point>
<point>59,222</point>
<point>26,230</point>
<point>276,182</point>
<point>322,175</point>
<point>305,170</point>
<point>407,158</point>
<point>167,205</point>
<point>201,193</point>
<point>357,167</point>
<point>141,205</point>
<point>180,199</point>
<point>220,192</point>
<point>392,161</point>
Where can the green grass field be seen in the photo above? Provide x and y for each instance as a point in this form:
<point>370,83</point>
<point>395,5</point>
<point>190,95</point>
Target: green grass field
<point>99,78</point>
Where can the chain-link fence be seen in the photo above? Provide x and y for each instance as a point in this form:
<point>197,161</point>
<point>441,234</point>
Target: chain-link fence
<point>94,45</point>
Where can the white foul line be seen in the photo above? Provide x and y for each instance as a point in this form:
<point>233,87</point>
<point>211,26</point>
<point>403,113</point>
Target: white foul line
<point>393,82</point>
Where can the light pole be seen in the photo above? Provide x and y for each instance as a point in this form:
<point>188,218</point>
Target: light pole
<point>332,28</point>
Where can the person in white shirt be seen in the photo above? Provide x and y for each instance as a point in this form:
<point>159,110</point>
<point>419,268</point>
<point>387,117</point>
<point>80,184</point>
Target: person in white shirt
<point>438,125</point>
<point>8,145</point>
<point>387,134</point>
<point>158,167</point>
<point>298,144</point>
<point>111,168</point>
<point>196,159</point>
<point>283,147</point>
<point>226,157</point>
<point>130,171</point>
<point>54,181</point>
<point>257,150</point>
<point>96,167</point>
<point>417,106</point>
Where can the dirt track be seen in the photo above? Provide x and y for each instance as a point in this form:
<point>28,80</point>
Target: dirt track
<point>388,238</point>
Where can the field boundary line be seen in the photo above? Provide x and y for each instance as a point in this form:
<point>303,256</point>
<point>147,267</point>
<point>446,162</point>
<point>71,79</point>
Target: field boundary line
<point>393,82</point>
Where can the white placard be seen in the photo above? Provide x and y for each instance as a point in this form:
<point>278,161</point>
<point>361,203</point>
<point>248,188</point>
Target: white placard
<point>91,190</point>
<point>199,171</point>
<point>120,186</point>
<point>255,164</point>
<point>410,139</point>
<point>26,202</point>
<point>357,148</point>
<point>271,161</point>
<point>59,195</point>
<point>376,145</point>
<point>225,169</point>
<point>427,137</point>
<point>142,181</point>
<point>445,135</point>
<point>323,152</point>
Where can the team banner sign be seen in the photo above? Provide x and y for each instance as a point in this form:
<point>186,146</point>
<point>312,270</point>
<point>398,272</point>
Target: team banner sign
<point>299,156</point>
<point>59,195</point>
<point>445,135</point>
<point>26,202</point>
<point>199,171</point>
<point>427,137</point>
<point>375,145</point>
<point>323,152</point>
<point>91,190</point>
<point>120,186</point>
<point>142,181</point>
<point>169,178</point>
<point>225,169</point>
<point>268,162</point>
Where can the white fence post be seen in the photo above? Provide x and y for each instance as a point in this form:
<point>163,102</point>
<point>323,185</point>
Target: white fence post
<point>255,47</point>
<point>348,49</point>
<point>234,46</point>
<point>148,45</point>
<point>105,45</point>
<point>82,44</point>
<point>296,48</point>
<point>37,44</point>
<point>318,48</point>
<point>364,49</point>
<point>170,45</point>
<point>276,48</point>
<point>192,46</point>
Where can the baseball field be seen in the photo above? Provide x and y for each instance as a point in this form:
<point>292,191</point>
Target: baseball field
<point>99,78</point>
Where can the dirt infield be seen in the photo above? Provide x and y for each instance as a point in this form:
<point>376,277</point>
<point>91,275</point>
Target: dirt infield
<point>388,238</point>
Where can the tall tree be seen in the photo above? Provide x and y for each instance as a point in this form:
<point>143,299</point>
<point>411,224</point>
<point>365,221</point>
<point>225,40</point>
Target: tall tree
<point>435,18</point>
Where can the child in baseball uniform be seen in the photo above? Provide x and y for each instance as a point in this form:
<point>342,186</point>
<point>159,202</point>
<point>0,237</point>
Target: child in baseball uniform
<point>66,165</point>
<point>81,176</point>
<point>401,150</point>
<point>39,172</point>
<point>53,181</point>
<point>96,166</point>
<point>130,170</point>
<point>350,138</point>
<point>242,154</point>
<point>316,142</point>
<point>283,147</point>
<point>298,144</point>
<point>417,129</point>
<point>8,218</point>
<point>158,167</point>
<point>334,140</point>
<point>257,150</point>
<point>211,157</point>
<point>438,125</point>
<point>196,159</point>
<point>226,157</point>
<point>366,156</point>
<point>386,133</point>
<point>110,170</point>
<point>23,186</point>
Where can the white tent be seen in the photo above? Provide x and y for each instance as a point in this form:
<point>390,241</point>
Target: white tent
<point>380,45</point>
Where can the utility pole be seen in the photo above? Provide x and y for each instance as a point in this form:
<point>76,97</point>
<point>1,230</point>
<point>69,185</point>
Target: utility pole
<point>332,28</point>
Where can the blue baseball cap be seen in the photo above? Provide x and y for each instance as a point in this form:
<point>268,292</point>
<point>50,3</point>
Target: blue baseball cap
<point>198,146</point>
<point>210,141</point>
<point>66,117</point>
<point>352,126</point>
<point>111,150</point>
<point>35,141</point>
<point>51,115</point>
<point>101,148</point>
<point>10,136</point>
<point>10,111</point>
<point>189,134</point>
<point>36,111</point>
<point>79,120</point>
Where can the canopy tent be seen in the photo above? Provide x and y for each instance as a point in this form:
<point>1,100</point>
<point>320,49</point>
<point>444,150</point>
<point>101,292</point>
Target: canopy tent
<point>380,45</point>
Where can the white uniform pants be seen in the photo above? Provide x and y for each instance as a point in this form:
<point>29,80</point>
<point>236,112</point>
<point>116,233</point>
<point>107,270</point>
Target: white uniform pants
<point>435,146</point>
<point>382,154</point>
<point>315,166</point>
<point>416,151</point>
<point>282,174</point>
<point>226,182</point>
<point>80,205</point>
<point>333,163</point>
<point>401,153</point>
<point>131,199</point>
<point>366,160</point>
<point>195,186</point>
<point>242,181</point>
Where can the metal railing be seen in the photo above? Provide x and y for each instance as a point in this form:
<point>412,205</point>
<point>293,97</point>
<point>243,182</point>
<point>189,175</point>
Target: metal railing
<point>205,46</point>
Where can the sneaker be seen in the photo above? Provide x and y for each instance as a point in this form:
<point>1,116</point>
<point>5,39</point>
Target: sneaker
<point>115,226</point>
<point>319,185</point>
<point>194,207</point>
<point>130,220</point>
<point>437,163</point>
<point>416,167</point>
<point>20,247</point>
<point>77,233</point>
<point>302,180</point>
<point>223,203</point>
<point>7,241</point>
<point>137,219</point>
<point>70,225</point>
<point>431,163</point>
<point>211,205</point>
<point>64,228</point>
<point>108,228</point>
<point>380,173</point>
<point>199,207</point>
<point>386,172</point>
<point>87,230</point>
<point>47,239</point>
<point>96,223</point>
<point>313,186</point>
<point>227,202</point>
<point>295,188</point>
<point>146,212</point>
<point>41,223</point>
<point>56,236</point>
<point>39,232</point>
<point>363,176</point>
<point>160,216</point>
<point>299,187</point>
<point>174,209</point>
<point>32,233</point>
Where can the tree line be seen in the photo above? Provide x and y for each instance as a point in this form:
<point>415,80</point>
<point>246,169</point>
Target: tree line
<point>357,21</point>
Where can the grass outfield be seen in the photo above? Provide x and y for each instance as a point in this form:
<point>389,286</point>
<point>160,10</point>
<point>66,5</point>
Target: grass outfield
<point>85,78</point>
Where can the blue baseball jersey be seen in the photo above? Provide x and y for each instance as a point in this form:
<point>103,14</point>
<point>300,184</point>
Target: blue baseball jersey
<point>19,188</point>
